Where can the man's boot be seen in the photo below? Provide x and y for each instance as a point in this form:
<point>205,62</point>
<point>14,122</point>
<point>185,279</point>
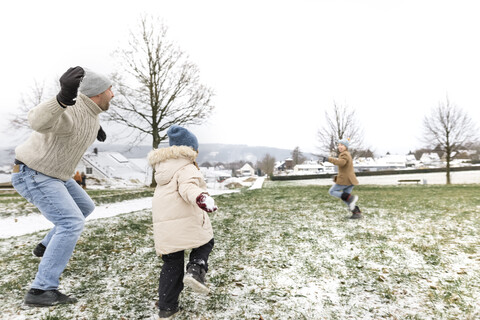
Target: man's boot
<point>46,298</point>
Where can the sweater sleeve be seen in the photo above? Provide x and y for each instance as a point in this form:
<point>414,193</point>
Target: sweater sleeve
<point>46,117</point>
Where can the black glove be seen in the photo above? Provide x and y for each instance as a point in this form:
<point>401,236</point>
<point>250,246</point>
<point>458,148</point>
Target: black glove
<point>323,158</point>
<point>101,135</point>
<point>69,83</point>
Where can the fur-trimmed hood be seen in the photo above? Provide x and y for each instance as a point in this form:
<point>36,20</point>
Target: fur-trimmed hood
<point>174,152</point>
<point>167,161</point>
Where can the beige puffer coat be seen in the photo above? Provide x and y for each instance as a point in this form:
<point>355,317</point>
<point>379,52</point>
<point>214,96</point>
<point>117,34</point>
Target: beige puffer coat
<point>178,223</point>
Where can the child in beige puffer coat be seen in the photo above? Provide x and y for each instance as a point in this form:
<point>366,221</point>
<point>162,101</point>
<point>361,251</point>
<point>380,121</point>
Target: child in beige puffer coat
<point>180,219</point>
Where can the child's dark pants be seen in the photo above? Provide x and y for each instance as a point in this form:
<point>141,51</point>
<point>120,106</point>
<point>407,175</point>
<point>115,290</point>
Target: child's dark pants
<point>171,277</point>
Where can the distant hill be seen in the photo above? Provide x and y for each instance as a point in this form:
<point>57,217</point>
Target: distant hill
<point>212,152</point>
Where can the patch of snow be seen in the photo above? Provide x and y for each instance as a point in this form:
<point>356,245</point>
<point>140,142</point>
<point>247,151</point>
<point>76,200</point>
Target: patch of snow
<point>12,227</point>
<point>5,177</point>
<point>258,183</point>
<point>457,177</point>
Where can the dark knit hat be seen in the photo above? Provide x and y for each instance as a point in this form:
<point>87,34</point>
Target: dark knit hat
<point>94,83</point>
<point>179,136</point>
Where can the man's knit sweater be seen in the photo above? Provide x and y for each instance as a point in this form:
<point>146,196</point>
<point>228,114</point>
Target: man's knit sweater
<point>61,136</point>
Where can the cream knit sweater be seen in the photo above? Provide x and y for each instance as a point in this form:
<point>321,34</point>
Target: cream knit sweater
<point>61,136</point>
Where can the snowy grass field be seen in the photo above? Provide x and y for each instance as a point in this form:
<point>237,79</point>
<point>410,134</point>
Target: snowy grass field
<point>281,252</point>
<point>14,205</point>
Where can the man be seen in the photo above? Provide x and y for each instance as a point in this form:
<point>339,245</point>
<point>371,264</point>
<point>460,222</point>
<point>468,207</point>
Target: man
<point>64,127</point>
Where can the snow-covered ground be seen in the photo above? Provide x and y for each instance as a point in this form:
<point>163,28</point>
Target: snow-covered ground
<point>4,177</point>
<point>459,177</point>
<point>258,183</point>
<point>284,253</point>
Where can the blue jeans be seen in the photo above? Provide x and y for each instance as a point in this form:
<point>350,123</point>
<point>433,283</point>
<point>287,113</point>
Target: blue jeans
<point>66,205</point>
<point>337,189</point>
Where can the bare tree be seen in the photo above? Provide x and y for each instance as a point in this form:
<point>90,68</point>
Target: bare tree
<point>28,100</point>
<point>18,118</point>
<point>267,164</point>
<point>476,155</point>
<point>158,87</point>
<point>297,156</point>
<point>450,128</point>
<point>340,123</point>
<point>365,153</point>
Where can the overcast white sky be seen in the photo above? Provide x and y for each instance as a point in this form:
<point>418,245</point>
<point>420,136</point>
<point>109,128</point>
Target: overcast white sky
<point>275,66</point>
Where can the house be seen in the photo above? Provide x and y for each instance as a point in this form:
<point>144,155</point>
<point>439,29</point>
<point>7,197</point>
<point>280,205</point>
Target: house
<point>313,167</point>
<point>393,161</point>
<point>113,165</point>
<point>388,162</point>
<point>283,167</point>
<point>430,159</point>
<point>411,161</point>
<point>364,164</point>
<point>308,168</point>
<point>289,164</point>
<point>279,167</point>
<point>246,170</point>
<point>215,174</point>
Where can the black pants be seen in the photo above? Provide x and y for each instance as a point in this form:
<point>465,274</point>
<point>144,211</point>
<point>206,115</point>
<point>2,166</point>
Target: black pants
<point>171,277</point>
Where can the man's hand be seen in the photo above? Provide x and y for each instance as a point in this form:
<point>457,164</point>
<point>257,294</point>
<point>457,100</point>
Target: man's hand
<point>101,135</point>
<point>69,83</point>
<point>206,203</point>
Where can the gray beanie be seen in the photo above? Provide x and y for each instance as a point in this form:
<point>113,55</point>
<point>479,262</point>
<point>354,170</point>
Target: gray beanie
<point>94,83</point>
<point>345,142</point>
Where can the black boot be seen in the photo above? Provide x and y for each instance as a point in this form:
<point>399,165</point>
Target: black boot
<point>195,278</point>
<point>168,314</point>
<point>39,250</point>
<point>350,199</point>
<point>356,213</point>
<point>46,298</point>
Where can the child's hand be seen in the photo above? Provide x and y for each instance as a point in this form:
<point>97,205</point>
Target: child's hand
<point>206,203</point>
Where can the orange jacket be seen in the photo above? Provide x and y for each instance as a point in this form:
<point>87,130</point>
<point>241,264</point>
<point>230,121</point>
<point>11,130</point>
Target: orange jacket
<point>346,174</point>
<point>77,177</point>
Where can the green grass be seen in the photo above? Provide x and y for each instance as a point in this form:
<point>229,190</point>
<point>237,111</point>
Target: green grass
<point>282,252</point>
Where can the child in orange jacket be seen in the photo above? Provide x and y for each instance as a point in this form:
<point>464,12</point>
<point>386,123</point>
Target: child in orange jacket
<point>346,179</point>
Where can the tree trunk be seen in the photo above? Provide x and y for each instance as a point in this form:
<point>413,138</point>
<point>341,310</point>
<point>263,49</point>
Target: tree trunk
<point>155,145</point>
<point>448,169</point>
<point>448,156</point>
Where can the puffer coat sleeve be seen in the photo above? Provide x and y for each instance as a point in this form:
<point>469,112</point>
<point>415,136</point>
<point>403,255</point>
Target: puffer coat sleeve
<point>189,181</point>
